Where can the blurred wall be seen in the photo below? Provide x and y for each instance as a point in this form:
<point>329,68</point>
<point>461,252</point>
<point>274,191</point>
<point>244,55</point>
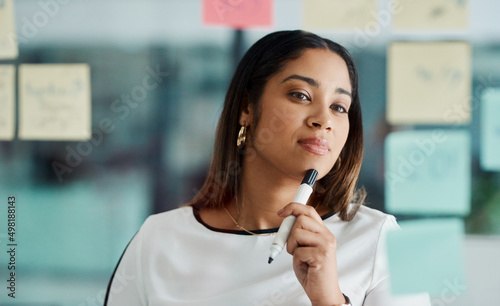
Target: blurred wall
<point>74,229</point>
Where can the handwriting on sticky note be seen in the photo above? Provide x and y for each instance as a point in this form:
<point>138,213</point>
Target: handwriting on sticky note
<point>428,81</point>
<point>7,102</point>
<point>428,172</point>
<point>8,43</point>
<point>238,13</point>
<point>490,130</point>
<point>340,14</point>
<point>54,102</point>
<point>447,76</point>
<point>431,14</point>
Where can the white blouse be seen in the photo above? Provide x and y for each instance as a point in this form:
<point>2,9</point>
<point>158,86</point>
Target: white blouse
<point>176,259</point>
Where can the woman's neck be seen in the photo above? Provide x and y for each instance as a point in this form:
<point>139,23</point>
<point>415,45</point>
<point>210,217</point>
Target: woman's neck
<point>263,193</point>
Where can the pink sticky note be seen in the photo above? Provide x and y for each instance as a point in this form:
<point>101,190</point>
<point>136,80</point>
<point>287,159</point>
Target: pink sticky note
<point>238,13</point>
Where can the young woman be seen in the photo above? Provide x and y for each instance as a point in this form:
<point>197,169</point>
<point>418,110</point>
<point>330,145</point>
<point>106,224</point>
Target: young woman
<point>292,105</point>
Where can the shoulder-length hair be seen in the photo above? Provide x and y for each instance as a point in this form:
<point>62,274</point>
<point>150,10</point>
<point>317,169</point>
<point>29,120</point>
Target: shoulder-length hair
<point>263,60</point>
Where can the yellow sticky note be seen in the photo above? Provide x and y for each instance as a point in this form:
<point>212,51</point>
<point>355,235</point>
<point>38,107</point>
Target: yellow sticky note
<point>8,41</point>
<point>427,82</point>
<point>7,102</point>
<point>430,14</point>
<point>54,102</point>
<point>339,14</point>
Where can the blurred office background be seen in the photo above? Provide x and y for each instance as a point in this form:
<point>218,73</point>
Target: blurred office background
<point>72,229</point>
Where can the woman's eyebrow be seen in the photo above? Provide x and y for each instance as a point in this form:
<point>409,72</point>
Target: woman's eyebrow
<point>309,81</point>
<point>341,90</point>
<point>314,83</point>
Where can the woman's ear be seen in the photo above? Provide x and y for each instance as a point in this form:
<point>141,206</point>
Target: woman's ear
<point>246,115</point>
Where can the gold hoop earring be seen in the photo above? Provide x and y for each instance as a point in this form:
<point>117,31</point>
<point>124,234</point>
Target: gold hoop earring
<point>242,137</point>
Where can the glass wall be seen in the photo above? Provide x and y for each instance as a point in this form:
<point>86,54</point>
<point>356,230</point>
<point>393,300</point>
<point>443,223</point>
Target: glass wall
<point>78,203</point>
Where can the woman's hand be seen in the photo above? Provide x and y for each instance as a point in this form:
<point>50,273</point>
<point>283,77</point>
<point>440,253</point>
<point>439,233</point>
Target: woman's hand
<point>314,251</point>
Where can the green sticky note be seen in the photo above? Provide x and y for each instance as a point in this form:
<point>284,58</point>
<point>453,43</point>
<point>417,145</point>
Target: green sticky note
<point>427,256</point>
<point>490,130</point>
<point>428,172</point>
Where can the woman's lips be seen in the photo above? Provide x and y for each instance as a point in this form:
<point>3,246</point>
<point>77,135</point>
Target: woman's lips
<point>315,145</point>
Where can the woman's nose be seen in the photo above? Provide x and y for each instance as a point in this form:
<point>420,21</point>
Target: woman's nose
<point>320,118</point>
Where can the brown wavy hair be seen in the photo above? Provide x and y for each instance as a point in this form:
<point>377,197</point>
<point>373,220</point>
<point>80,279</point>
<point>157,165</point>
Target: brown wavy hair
<point>267,57</point>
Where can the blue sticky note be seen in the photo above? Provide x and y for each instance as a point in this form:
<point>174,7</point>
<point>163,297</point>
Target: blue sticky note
<point>68,228</point>
<point>426,256</point>
<point>490,130</point>
<point>428,172</point>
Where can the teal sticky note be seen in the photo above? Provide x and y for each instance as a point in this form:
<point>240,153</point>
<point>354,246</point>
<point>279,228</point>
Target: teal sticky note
<point>426,256</point>
<point>490,130</point>
<point>428,172</point>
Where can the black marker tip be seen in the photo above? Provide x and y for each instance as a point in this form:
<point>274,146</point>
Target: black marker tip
<point>310,177</point>
<point>270,260</point>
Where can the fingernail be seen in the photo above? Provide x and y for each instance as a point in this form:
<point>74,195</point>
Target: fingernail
<point>280,211</point>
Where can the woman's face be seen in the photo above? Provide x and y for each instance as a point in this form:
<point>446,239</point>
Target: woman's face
<point>303,121</point>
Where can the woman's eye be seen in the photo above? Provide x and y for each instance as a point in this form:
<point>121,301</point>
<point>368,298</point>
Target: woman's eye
<point>339,108</point>
<point>299,96</point>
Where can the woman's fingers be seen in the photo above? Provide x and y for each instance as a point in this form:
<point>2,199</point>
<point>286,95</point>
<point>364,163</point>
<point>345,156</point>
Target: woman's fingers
<point>298,209</point>
<point>302,238</point>
<point>314,249</point>
<point>308,230</point>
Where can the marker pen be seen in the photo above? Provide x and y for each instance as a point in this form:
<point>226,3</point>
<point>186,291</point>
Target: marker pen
<point>302,195</point>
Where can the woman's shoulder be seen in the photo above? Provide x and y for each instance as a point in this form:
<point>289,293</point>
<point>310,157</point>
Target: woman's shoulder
<point>367,213</point>
<point>366,221</point>
<point>173,218</point>
<point>367,216</point>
